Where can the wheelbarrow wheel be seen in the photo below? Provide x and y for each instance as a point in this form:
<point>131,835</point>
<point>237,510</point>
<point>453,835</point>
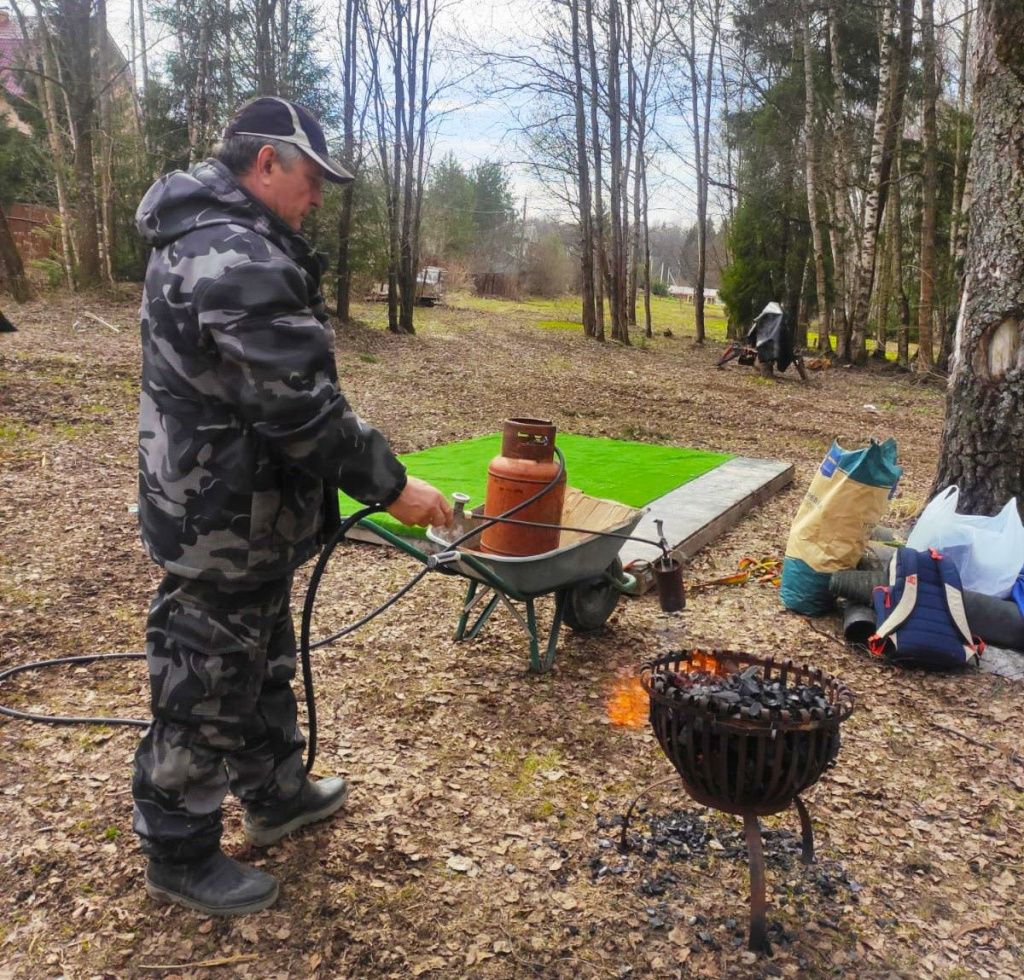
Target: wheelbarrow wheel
<point>588,605</point>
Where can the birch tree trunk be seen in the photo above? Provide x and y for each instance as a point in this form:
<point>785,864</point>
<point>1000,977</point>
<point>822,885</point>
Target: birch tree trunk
<point>55,144</point>
<point>929,178</point>
<point>894,71</point>
<point>811,172</point>
<point>983,435</point>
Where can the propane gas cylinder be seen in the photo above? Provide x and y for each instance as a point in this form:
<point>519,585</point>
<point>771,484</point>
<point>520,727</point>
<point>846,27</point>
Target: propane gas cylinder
<point>526,465</point>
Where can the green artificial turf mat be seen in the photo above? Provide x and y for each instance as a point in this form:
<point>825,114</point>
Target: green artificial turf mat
<point>632,473</point>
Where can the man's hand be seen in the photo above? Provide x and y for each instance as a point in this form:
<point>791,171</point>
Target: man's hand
<point>420,503</point>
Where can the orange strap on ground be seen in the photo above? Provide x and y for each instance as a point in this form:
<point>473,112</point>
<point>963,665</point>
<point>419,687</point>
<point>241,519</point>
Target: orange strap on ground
<point>767,571</point>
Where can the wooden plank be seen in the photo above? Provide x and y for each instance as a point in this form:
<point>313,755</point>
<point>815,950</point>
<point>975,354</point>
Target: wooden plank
<point>698,512</point>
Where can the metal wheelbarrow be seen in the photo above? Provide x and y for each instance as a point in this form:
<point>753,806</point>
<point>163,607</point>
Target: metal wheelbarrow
<point>584,573</point>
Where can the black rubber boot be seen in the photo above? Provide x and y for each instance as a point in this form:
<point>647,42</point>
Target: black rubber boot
<point>315,801</point>
<point>217,885</point>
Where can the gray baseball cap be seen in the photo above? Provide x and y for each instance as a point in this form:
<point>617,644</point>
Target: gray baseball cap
<point>288,122</point>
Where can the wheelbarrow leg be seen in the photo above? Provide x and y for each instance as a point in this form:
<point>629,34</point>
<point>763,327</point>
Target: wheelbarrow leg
<point>538,666</point>
<point>471,600</point>
<point>467,604</point>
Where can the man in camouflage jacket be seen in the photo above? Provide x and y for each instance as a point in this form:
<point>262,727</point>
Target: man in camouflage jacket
<point>244,437</point>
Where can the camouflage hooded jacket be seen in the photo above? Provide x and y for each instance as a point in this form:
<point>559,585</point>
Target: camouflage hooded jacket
<point>241,423</point>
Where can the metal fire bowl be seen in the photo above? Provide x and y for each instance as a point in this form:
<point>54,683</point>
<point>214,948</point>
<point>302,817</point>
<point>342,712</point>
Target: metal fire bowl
<point>746,766</point>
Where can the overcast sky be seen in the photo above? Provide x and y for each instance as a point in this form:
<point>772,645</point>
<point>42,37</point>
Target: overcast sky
<point>476,128</point>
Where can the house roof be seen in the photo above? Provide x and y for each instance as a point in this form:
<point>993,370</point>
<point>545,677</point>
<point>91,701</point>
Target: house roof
<point>12,46</point>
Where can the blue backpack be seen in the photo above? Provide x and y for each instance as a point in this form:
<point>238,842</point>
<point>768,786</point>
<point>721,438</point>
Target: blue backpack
<point>920,614</point>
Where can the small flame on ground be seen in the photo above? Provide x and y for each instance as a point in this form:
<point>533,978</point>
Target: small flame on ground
<point>628,703</point>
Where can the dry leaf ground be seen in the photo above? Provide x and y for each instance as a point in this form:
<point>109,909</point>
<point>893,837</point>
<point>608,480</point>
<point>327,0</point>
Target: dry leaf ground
<point>484,798</point>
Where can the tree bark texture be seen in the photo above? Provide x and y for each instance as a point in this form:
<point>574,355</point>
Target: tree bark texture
<point>811,172</point>
<point>11,264</point>
<point>892,85</point>
<point>983,434</point>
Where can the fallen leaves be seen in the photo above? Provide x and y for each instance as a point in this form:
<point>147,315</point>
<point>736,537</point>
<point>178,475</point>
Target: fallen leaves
<point>466,845</point>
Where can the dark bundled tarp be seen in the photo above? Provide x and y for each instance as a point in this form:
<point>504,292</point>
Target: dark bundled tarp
<point>772,336</point>
<point>997,621</point>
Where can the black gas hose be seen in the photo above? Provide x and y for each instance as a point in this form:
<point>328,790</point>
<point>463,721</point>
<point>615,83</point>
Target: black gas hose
<point>305,646</point>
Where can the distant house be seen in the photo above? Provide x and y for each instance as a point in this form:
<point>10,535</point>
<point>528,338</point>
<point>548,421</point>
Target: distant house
<point>685,294</point>
<point>16,54</point>
<point>12,57</point>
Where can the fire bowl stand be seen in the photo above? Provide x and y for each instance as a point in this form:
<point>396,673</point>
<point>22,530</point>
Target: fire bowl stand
<point>748,766</point>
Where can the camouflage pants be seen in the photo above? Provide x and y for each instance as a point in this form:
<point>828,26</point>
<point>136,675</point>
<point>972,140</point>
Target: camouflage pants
<point>221,661</point>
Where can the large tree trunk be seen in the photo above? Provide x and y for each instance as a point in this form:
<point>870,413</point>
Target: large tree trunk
<point>892,85</point>
<point>983,434</point>
<point>811,172</point>
<point>929,180</point>
<point>10,263</point>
